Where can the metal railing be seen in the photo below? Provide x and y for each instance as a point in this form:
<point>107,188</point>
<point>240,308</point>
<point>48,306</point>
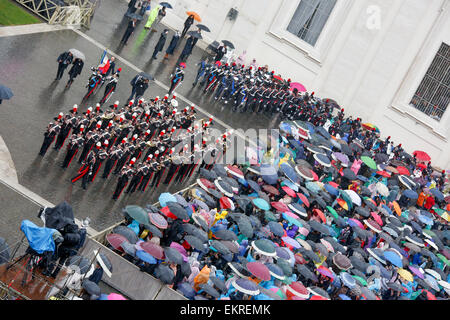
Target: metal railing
<point>68,12</point>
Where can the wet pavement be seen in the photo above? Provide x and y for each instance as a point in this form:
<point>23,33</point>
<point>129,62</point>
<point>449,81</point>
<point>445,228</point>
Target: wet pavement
<point>28,66</point>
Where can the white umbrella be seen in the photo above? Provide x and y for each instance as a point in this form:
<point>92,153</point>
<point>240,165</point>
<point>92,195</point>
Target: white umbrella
<point>77,54</point>
<point>382,189</point>
<point>354,196</point>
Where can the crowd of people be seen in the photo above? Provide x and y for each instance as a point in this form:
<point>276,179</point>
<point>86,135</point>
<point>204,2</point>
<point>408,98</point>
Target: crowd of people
<point>327,210</point>
<point>330,211</point>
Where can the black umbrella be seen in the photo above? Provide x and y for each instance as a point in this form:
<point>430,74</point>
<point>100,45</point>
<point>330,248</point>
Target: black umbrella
<point>5,254</point>
<point>381,157</point>
<point>219,284</point>
<point>208,174</point>
<point>91,287</point>
<point>219,169</point>
<point>128,248</point>
<point>319,227</point>
<point>79,263</point>
<point>311,255</point>
<point>203,27</point>
<point>349,174</point>
<point>210,290</point>
<point>363,212</point>
<point>186,289</point>
<point>220,247</point>
<point>173,255</point>
<point>197,232</point>
<point>319,291</point>
<point>134,16</point>
<point>146,76</point>
<point>255,186</point>
<point>226,234</point>
<point>195,34</point>
<point>238,269</point>
<point>154,231</point>
<point>224,187</point>
<point>127,233</point>
<point>177,210</point>
<point>195,242</point>
<point>345,149</point>
<point>164,273</point>
<point>105,263</point>
<point>358,263</point>
<point>255,222</point>
<point>215,193</point>
<point>166,4</point>
<point>60,216</point>
<point>306,273</point>
<point>228,44</point>
<point>245,227</point>
<point>336,245</point>
<point>285,266</point>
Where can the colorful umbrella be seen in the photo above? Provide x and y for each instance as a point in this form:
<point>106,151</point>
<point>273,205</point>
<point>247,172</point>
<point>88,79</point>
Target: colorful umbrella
<point>259,270</point>
<point>298,86</point>
<point>369,162</point>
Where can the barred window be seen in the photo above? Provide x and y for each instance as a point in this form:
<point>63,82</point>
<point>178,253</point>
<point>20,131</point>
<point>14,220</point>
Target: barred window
<point>433,95</point>
<point>310,18</point>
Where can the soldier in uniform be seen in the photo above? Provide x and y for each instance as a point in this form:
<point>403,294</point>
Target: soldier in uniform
<point>148,171</point>
<point>102,154</point>
<point>52,131</point>
<point>125,174</point>
<point>115,154</point>
<point>76,141</point>
<point>136,179</point>
<point>86,171</point>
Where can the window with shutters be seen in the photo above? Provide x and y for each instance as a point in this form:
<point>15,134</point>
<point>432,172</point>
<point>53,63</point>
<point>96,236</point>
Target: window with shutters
<point>433,94</point>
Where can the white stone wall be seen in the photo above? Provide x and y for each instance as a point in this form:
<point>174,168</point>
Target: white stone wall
<point>372,73</point>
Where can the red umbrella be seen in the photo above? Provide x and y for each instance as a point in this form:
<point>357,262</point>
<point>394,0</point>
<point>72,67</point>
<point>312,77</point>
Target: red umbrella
<point>422,155</point>
<point>299,259</point>
<point>377,218</point>
<point>278,78</point>
<point>271,189</point>
<point>304,199</point>
<point>289,191</point>
<point>321,215</point>
<point>403,170</point>
<point>153,249</point>
<point>298,86</point>
<point>158,220</point>
<point>167,213</point>
<point>206,184</point>
<point>298,289</point>
<point>318,298</point>
<point>384,174</point>
<point>422,166</point>
<point>115,240</point>
<point>235,171</point>
<point>280,206</point>
<point>226,203</point>
<point>259,270</point>
<point>315,176</point>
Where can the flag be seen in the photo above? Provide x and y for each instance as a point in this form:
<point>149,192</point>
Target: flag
<point>104,63</point>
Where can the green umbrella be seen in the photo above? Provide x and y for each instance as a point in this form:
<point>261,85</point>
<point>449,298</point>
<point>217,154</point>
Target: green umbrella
<point>138,214</point>
<point>347,199</point>
<point>429,233</point>
<point>285,266</point>
<point>443,259</point>
<point>265,247</point>
<point>333,212</point>
<point>361,280</point>
<point>369,162</point>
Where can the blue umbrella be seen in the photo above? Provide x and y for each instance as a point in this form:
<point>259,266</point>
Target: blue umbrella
<point>385,207</point>
<point>166,4</point>
<point>289,172</point>
<point>313,187</point>
<point>5,93</point>
<point>323,132</point>
<point>144,256</point>
<point>438,194</point>
<point>347,280</point>
<point>393,258</point>
<point>261,204</point>
<point>103,297</point>
<point>425,219</point>
<point>269,174</point>
<point>362,178</point>
<point>331,190</point>
<point>286,127</point>
<point>290,184</point>
<point>297,145</point>
<point>411,194</point>
<point>187,290</point>
<point>166,197</point>
<point>243,182</point>
<point>344,297</point>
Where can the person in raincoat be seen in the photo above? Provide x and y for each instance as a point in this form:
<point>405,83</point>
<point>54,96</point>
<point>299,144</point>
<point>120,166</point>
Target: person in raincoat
<point>161,42</point>
<point>173,44</point>
<point>76,69</point>
<point>202,277</point>
<point>152,17</point>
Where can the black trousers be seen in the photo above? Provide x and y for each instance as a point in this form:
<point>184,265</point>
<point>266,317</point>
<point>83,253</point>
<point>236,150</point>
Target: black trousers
<point>71,152</point>
<point>121,163</point>
<point>61,139</point>
<point>108,167</point>
<point>145,180</point>
<point>123,180</point>
<point>86,149</point>
<point>61,68</point>
<point>46,144</point>
<point>172,170</point>
<point>157,178</point>
<point>126,36</point>
<point>134,183</point>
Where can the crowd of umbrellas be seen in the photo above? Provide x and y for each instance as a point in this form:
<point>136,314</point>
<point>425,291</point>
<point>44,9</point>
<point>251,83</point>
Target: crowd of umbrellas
<point>300,226</point>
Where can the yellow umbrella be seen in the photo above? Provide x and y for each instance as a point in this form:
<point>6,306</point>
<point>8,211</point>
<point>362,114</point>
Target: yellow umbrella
<point>342,203</point>
<point>397,207</point>
<point>405,274</point>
